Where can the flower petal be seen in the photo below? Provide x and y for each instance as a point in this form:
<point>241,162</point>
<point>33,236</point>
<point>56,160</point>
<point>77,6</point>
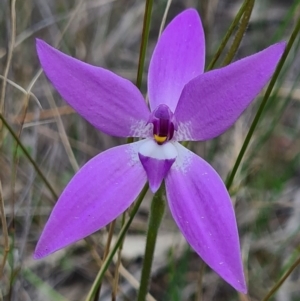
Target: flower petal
<point>100,191</point>
<point>202,209</point>
<point>212,102</point>
<point>109,102</point>
<point>178,57</point>
<point>157,161</point>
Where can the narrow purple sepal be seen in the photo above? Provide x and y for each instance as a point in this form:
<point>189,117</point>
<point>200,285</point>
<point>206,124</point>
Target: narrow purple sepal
<point>202,209</point>
<point>178,57</point>
<point>109,102</point>
<point>212,102</point>
<point>156,170</point>
<point>101,190</point>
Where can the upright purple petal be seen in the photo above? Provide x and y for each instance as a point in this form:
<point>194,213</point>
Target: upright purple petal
<point>109,102</point>
<point>100,191</point>
<point>178,57</point>
<point>212,102</point>
<point>202,209</point>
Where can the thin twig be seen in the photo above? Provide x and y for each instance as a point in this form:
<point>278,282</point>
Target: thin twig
<point>62,133</point>
<point>281,280</point>
<point>117,266</point>
<point>144,42</point>
<point>113,251</point>
<point>4,230</point>
<point>10,52</point>
<point>2,110</point>
<point>106,251</point>
<point>240,33</point>
<point>123,272</point>
<point>228,35</point>
<point>22,90</point>
<point>26,153</point>
<point>201,271</point>
<point>133,281</point>
<point>262,105</point>
<point>59,39</point>
<point>163,21</point>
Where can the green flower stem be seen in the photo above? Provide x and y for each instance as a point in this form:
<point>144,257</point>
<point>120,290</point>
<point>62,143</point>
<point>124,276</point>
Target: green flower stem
<point>119,240</point>
<point>139,79</point>
<point>262,105</point>
<point>26,153</point>
<point>143,48</point>
<point>144,42</point>
<point>281,280</point>
<point>228,35</point>
<point>155,218</point>
<point>240,33</point>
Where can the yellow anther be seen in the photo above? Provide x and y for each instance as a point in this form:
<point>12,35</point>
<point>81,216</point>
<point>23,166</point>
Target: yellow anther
<point>160,139</point>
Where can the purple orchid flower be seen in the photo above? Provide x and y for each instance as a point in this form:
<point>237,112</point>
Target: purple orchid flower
<point>186,104</point>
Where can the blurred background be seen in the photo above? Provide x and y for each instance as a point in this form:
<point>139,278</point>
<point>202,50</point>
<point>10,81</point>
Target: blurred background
<point>107,33</point>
